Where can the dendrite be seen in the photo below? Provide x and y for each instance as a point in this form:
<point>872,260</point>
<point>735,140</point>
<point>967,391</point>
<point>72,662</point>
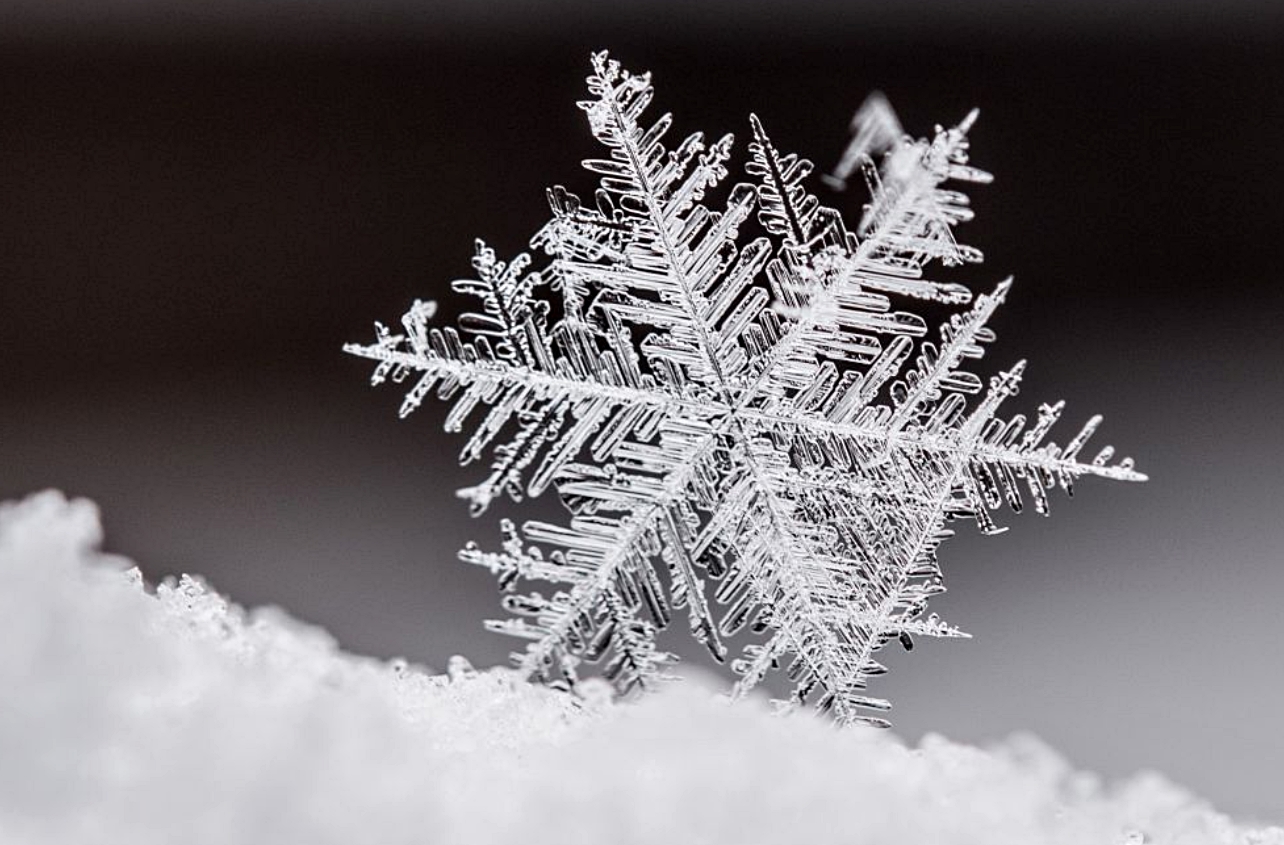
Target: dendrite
<point>742,427</point>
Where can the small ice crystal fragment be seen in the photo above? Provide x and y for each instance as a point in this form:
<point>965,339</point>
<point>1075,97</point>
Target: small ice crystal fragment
<point>458,668</point>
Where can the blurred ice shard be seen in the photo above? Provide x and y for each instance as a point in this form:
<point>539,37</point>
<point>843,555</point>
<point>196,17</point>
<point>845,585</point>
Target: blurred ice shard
<point>167,716</point>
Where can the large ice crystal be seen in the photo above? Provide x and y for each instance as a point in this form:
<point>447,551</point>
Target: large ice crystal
<point>756,429</point>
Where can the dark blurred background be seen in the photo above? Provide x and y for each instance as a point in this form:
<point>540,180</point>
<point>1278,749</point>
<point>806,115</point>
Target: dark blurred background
<point>199,202</point>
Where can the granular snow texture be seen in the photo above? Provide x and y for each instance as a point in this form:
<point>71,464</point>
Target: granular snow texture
<point>131,715</point>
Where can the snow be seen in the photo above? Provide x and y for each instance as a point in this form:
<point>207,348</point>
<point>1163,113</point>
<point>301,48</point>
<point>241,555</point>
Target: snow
<point>138,715</point>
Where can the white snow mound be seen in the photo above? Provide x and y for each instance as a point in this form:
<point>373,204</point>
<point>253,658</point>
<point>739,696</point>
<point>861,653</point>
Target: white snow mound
<point>172,716</point>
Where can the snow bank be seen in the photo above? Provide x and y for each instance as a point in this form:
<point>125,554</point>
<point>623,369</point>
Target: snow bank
<point>171,716</point>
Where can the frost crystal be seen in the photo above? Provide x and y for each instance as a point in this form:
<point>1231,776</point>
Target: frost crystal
<point>742,427</point>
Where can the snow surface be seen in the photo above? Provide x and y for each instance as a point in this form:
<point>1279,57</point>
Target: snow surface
<point>131,715</point>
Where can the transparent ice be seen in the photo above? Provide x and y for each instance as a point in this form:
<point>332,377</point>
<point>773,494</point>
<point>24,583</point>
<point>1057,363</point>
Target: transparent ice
<point>737,404</point>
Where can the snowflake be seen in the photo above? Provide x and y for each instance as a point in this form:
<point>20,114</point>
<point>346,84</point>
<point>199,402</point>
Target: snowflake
<point>742,427</point>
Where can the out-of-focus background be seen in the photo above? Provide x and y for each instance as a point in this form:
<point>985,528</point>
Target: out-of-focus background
<point>199,202</point>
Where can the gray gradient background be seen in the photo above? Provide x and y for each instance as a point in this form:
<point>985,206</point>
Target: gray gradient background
<point>200,202</point>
